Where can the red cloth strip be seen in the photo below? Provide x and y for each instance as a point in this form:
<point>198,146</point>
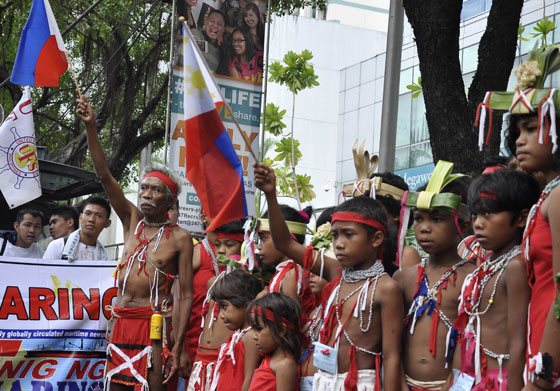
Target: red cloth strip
<point>167,180</point>
<point>357,218</point>
<point>269,315</point>
<point>234,236</point>
<point>491,195</point>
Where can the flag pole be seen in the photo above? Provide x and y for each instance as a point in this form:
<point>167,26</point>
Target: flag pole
<point>243,135</point>
<point>74,77</point>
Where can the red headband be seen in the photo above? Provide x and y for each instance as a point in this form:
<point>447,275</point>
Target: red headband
<point>491,195</point>
<point>492,169</point>
<point>233,236</point>
<point>167,180</point>
<point>357,218</point>
<point>269,315</point>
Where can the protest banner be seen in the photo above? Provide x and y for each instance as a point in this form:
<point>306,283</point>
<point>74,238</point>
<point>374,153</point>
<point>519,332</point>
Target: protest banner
<point>53,317</point>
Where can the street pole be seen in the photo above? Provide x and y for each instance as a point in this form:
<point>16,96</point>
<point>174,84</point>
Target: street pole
<point>390,107</point>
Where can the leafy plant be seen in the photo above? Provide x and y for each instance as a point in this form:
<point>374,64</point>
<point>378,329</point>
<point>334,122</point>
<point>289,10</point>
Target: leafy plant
<point>544,27</point>
<point>297,74</point>
<point>416,88</point>
<point>288,151</point>
<point>274,117</point>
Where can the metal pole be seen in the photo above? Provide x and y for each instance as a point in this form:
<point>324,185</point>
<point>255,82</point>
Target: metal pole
<point>169,84</point>
<point>265,79</point>
<point>389,111</point>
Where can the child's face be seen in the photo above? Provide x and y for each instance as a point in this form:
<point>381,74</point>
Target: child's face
<point>352,246</point>
<point>267,252</point>
<point>227,247</point>
<point>532,155</point>
<point>266,344</point>
<point>494,231</point>
<point>435,230</point>
<point>232,316</point>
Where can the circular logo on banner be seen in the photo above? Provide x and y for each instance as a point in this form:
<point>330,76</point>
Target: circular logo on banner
<point>22,157</point>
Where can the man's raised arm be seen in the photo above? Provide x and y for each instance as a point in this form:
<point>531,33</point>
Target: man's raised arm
<point>122,206</point>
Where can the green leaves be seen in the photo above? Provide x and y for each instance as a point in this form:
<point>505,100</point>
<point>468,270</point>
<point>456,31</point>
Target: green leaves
<point>416,88</point>
<point>298,74</point>
<point>283,7</point>
<point>284,150</point>
<point>543,28</point>
<point>273,122</point>
<point>305,187</point>
<point>520,31</point>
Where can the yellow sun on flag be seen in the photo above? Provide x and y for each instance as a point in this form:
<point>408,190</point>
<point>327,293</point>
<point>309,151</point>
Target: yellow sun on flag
<point>195,82</point>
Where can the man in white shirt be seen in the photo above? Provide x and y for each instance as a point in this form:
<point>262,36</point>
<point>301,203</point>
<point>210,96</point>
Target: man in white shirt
<point>28,226</point>
<point>63,221</point>
<point>83,243</point>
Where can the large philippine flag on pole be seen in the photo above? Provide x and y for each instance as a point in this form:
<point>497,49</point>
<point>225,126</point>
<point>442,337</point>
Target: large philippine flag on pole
<point>19,165</point>
<point>41,57</point>
<point>213,167</point>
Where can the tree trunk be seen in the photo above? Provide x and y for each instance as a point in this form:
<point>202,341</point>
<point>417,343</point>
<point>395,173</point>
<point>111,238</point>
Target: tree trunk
<point>449,114</point>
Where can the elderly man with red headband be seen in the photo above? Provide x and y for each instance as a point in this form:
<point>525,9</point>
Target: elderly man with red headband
<point>157,254</point>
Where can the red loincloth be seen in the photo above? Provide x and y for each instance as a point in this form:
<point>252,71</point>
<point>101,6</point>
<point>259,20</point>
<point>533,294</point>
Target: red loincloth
<point>201,375</point>
<point>130,349</point>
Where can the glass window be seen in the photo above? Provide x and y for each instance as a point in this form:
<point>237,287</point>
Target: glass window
<point>421,154</point>
<point>419,125</point>
<point>467,80</point>
<point>403,120</point>
<point>470,59</point>
<point>406,79</point>
<point>402,158</point>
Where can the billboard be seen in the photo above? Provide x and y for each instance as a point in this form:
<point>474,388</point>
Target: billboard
<point>231,38</point>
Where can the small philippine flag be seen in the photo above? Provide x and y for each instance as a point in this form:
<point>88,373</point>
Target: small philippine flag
<point>41,57</point>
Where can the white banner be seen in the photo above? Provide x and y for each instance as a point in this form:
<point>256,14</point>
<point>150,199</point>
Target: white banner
<point>52,323</point>
<point>19,164</point>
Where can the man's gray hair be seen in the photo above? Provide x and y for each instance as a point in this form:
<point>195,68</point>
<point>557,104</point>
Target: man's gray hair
<point>166,171</point>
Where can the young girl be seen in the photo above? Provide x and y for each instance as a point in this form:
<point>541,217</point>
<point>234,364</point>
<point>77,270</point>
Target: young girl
<point>495,296</point>
<point>253,20</point>
<point>244,61</point>
<point>238,358</point>
<point>274,319</point>
<point>540,248</point>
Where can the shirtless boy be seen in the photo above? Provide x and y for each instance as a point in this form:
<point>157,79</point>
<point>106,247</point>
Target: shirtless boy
<point>431,289</point>
<point>156,255</point>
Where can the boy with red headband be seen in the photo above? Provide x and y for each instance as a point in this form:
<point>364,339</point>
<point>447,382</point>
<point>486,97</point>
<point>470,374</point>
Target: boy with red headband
<point>362,319</point>
<point>362,316</point>
<point>495,297</point>
<point>431,289</point>
<point>289,277</point>
<point>156,255</point>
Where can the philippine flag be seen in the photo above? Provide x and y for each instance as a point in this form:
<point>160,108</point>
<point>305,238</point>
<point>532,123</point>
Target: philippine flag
<point>41,57</point>
<point>213,167</point>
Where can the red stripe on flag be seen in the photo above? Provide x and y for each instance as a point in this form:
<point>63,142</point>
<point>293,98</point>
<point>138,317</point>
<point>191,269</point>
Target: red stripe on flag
<point>51,64</point>
<point>217,184</point>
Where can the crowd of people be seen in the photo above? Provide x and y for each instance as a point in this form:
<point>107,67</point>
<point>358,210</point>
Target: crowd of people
<point>473,305</point>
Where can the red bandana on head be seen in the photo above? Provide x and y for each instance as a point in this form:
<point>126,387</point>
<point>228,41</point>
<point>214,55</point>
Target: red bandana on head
<point>166,179</point>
